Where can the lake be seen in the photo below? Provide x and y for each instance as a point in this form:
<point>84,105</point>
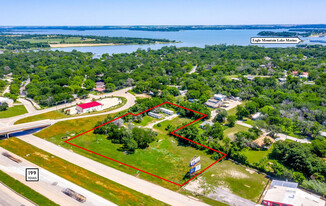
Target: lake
<point>189,38</point>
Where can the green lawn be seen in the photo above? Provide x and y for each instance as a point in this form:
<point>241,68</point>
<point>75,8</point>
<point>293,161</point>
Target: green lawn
<point>254,156</point>
<point>48,115</point>
<point>233,111</point>
<point>147,119</point>
<point>25,191</point>
<point>239,180</point>
<point>13,111</point>
<point>229,77</point>
<point>229,132</point>
<point>99,185</point>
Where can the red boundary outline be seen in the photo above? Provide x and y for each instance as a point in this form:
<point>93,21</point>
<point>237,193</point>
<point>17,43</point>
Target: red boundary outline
<point>204,115</point>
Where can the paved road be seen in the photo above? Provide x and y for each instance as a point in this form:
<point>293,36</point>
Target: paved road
<point>50,185</point>
<point>123,93</point>
<point>10,198</point>
<point>143,186</point>
<point>6,90</point>
<point>193,70</point>
<point>28,105</point>
<point>280,135</point>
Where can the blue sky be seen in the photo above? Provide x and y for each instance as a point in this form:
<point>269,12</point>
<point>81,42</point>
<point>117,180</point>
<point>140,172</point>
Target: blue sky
<point>163,12</point>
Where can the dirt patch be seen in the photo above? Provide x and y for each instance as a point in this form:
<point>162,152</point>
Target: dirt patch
<point>260,140</point>
<point>250,170</point>
<point>46,157</point>
<point>236,174</point>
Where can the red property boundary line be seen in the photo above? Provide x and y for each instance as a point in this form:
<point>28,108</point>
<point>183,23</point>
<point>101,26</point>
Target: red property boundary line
<point>204,115</point>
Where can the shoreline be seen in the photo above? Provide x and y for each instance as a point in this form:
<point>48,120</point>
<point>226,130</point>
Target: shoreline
<point>81,45</point>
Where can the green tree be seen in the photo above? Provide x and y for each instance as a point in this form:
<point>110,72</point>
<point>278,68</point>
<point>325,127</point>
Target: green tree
<point>231,120</point>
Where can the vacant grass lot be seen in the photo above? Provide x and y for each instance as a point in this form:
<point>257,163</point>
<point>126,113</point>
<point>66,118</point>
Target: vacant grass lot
<point>233,111</point>
<point>229,132</point>
<point>99,185</point>
<point>24,190</point>
<point>255,156</point>
<point>147,119</point>
<point>13,111</point>
<point>164,157</point>
<point>237,179</point>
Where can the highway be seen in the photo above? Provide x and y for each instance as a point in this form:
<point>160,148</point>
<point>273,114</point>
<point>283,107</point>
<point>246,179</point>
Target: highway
<point>10,198</point>
<point>140,185</point>
<point>49,185</point>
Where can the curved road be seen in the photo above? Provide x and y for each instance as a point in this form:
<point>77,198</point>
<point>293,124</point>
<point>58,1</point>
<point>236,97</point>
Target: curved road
<point>131,100</point>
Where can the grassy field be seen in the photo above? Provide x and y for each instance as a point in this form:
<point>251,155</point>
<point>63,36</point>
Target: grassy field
<point>164,157</point>
<point>13,111</point>
<point>25,191</point>
<point>229,77</point>
<point>103,187</point>
<point>255,156</point>
<point>237,179</point>
<point>233,111</point>
<point>147,119</point>
<point>48,115</point>
<point>229,132</point>
<point>59,115</point>
<point>58,40</point>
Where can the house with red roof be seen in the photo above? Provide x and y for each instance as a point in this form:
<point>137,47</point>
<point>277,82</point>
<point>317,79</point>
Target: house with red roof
<point>294,72</point>
<point>89,107</point>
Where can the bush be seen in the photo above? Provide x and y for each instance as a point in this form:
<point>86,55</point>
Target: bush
<point>315,185</point>
<point>3,106</point>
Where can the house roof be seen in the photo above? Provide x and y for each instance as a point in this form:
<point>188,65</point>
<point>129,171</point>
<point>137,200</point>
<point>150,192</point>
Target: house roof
<point>89,105</point>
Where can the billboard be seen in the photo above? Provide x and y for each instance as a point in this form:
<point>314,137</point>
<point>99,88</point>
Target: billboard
<point>195,169</point>
<point>194,161</point>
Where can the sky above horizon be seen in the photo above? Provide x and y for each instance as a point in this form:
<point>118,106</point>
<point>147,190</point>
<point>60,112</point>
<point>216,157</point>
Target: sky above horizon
<point>153,12</point>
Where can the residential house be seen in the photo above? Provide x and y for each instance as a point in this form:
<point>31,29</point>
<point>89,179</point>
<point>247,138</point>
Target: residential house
<point>206,123</point>
<point>220,97</point>
<point>256,116</point>
<point>213,103</point>
<point>166,111</point>
<point>155,115</point>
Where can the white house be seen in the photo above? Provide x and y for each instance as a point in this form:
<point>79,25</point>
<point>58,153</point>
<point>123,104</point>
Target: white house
<point>166,111</point>
<point>220,97</point>
<point>89,107</point>
<point>206,123</point>
<point>10,102</point>
<point>256,116</point>
<point>155,115</point>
